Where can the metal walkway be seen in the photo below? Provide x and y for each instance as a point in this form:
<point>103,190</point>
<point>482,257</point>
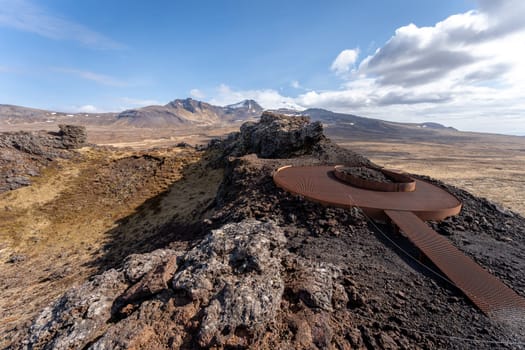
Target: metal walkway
<point>408,210</point>
<point>318,184</point>
<point>491,295</point>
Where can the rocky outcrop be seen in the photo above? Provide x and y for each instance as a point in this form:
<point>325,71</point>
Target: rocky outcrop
<point>277,136</point>
<point>277,271</point>
<point>79,317</point>
<point>225,292</point>
<point>22,154</point>
<point>73,136</point>
<point>84,313</point>
<point>233,274</point>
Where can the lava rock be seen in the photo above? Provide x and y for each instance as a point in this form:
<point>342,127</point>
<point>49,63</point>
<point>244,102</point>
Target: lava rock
<point>314,283</point>
<point>277,136</point>
<point>137,266</point>
<point>23,153</point>
<point>73,136</point>
<point>235,271</point>
<point>79,316</point>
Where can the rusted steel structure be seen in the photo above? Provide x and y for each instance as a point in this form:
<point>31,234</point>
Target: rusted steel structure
<point>319,184</point>
<point>491,295</point>
<point>401,183</point>
<point>407,207</point>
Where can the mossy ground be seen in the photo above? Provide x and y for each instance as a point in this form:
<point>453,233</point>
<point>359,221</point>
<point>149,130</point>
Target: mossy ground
<point>81,216</point>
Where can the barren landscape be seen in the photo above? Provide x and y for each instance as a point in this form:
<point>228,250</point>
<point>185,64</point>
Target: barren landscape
<point>491,167</point>
<point>234,175</point>
<point>488,165</point>
<point>141,189</point>
<point>62,228</point>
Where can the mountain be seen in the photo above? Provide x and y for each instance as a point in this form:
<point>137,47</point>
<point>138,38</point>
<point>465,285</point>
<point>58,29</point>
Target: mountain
<point>182,113</point>
<point>247,109</point>
<point>189,112</point>
<point>177,113</point>
<point>353,126</point>
<point>15,114</point>
<point>12,115</point>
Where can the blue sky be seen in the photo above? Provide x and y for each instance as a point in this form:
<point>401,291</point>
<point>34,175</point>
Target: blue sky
<point>397,60</point>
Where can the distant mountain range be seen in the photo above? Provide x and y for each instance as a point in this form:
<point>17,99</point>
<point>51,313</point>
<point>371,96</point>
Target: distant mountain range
<point>340,125</point>
<point>174,114</point>
<point>189,112</point>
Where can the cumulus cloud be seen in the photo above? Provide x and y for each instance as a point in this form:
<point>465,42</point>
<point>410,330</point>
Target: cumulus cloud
<point>465,71</point>
<point>505,16</point>
<point>197,93</point>
<point>345,61</point>
<point>267,98</point>
<point>419,55</point>
<point>29,17</point>
<point>475,46</point>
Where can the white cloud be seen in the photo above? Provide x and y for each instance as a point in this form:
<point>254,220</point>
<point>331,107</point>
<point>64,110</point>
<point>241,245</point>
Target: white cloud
<point>345,61</point>
<point>96,77</point>
<point>26,16</point>
<point>87,109</point>
<point>197,93</point>
<point>137,102</point>
<point>295,84</point>
<point>267,98</point>
<point>466,71</point>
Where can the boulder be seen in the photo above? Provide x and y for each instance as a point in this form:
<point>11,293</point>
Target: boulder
<point>79,316</point>
<point>235,274</point>
<point>277,136</point>
<point>73,136</point>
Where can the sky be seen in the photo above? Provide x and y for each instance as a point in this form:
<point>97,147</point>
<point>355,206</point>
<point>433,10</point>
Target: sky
<point>457,62</point>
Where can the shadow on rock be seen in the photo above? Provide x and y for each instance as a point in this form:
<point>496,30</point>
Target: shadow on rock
<point>173,218</point>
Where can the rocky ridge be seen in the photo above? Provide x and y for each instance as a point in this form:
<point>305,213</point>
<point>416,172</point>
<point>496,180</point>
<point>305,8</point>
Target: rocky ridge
<point>22,154</point>
<point>276,271</point>
<point>188,112</point>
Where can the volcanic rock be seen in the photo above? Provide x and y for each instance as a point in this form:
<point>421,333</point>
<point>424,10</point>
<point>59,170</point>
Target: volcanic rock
<point>366,174</point>
<point>277,271</point>
<point>73,136</point>
<point>22,154</point>
<point>277,136</point>
<point>235,274</point>
<point>78,317</point>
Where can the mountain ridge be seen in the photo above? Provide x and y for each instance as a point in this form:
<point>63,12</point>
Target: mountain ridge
<point>180,113</point>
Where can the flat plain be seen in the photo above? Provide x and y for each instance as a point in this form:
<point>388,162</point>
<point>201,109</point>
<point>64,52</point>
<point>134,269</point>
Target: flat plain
<point>490,166</point>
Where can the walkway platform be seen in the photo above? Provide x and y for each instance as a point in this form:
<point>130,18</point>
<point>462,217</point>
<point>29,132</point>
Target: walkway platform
<point>409,210</point>
<point>486,291</point>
